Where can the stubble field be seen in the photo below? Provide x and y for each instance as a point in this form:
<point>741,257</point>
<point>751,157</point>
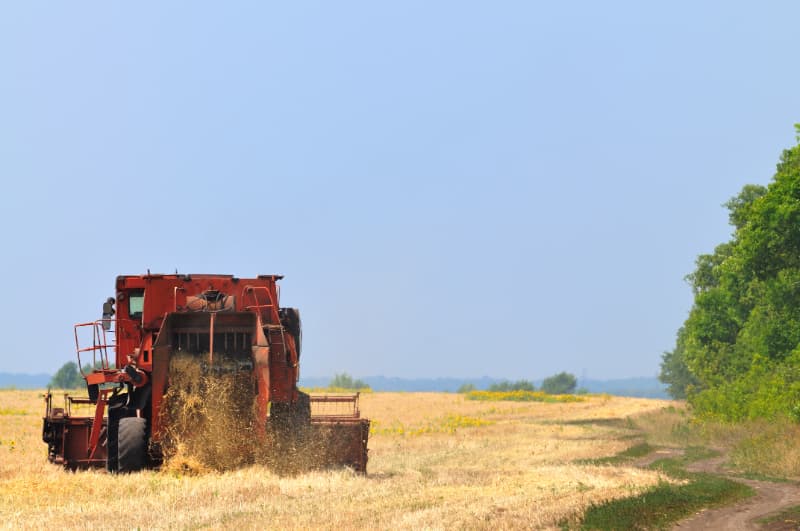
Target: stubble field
<point>437,460</point>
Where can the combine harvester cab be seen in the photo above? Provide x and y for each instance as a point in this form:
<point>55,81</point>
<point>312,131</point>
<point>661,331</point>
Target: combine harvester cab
<point>220,324</point>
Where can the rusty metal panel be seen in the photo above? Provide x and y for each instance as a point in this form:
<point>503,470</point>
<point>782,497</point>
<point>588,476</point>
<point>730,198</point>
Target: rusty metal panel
<point>70,446</point>
<point>340,443</point>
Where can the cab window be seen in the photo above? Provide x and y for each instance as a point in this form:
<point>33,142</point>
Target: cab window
<point>136,304</point>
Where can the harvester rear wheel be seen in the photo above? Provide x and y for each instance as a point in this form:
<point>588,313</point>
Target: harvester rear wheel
<point>132,444</point>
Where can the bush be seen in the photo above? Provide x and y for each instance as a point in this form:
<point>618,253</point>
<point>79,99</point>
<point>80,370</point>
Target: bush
<point>768,390</point>
<point>562,383</point>
<point>466,388</point>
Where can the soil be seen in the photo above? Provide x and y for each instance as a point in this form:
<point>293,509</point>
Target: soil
<point>771,499</point>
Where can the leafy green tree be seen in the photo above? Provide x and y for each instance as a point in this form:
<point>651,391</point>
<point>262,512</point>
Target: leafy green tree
<point>67,377</point>
<point>738,353</point>
<point>740,206</point>
<point>466,388</point>
<point>345,381</point>
<point>560,384</point>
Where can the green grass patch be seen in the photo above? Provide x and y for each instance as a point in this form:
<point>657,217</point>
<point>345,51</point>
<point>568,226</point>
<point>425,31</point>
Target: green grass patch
<point>613,422</point>
<point>634,452</point>
<point>697,453</point>
<point>660,507</point>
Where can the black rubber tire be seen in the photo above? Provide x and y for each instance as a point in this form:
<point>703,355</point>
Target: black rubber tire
<point>132,444</point>
<point>111,443</point>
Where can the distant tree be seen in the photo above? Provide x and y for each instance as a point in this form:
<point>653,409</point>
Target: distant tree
<point>67,377</point>
<point>345,381</point>
<point>519,385</point>
<point>466,388</point>
<point>500,386</point>
<point>674,371</point>
<point>560,384</point>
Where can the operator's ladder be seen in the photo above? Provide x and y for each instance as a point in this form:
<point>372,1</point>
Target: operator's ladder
<point>100,344</point>
<point>269,318</point>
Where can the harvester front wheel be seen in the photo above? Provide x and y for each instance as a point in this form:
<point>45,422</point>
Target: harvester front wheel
<point>132,444</point>
<point>111,443</point>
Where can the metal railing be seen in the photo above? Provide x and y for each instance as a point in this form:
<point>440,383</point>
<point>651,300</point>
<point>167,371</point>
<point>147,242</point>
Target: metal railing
<point>334,407</point>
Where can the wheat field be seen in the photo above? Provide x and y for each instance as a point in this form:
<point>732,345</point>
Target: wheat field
<point>437,460</point>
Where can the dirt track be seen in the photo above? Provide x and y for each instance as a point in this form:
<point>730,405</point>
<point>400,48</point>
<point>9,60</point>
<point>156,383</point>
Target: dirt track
<point>771,498</point>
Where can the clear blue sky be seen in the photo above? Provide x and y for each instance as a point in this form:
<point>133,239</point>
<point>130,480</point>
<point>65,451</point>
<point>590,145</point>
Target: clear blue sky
<point>508,189</point>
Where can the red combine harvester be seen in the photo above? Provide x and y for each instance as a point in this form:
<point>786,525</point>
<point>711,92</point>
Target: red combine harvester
<point>226,324</point>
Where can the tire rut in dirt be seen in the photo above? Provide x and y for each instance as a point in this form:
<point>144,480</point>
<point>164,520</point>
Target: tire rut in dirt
<point>132,444</point>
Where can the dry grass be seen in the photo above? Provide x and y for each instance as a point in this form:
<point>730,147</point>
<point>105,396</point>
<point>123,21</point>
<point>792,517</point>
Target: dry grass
<point>758,447</point>
<point>771,449</point>
<point>491,465</point>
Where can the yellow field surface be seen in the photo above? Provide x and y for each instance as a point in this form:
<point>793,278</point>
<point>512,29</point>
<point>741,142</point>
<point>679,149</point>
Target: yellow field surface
<point>437,461</point>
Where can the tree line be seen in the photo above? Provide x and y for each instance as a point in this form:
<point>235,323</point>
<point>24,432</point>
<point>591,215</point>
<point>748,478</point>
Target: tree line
<point>562,383</point>
<point>69,377</point>
<point>737,355</point>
